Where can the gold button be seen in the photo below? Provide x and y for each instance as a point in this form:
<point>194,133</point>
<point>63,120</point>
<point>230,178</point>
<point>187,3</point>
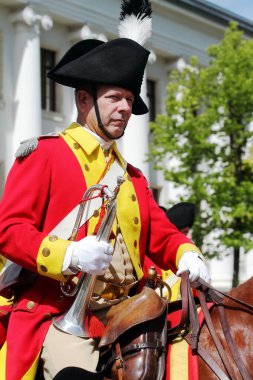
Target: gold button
<point>133,197</point>
<point>136,220</point>
<point>47,315</point>
<point>76,145</point>
<point>45,252</point>
<point>53,238</point>
<point>30,305</point>
<point>86,167</point>
<point>43,268</point>
<point>96,213</point>
<point>135,243</point>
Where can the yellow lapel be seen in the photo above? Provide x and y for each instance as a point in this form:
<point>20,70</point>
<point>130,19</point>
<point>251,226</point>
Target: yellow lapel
<point>88,152</point>
<point>128,214</point>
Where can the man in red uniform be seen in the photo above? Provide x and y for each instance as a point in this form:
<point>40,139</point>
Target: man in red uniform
<point>43,190</point>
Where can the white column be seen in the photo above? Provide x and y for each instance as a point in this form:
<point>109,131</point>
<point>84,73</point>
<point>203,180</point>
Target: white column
<point>135,142</point>
<point>26,65</point>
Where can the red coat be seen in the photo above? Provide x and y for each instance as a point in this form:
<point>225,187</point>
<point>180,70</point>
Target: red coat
<point>41,189</point>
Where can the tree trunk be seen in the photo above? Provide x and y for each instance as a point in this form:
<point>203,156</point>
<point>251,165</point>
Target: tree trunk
<point>235,281</point>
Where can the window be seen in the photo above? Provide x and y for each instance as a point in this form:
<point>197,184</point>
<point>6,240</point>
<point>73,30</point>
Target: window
<point>151,98</point>
<point>47,61</point>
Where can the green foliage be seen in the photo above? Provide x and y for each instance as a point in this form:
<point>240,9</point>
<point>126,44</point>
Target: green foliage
<point>206,128</point>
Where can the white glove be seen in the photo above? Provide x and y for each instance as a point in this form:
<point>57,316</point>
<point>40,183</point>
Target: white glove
<point>90,255</point>
<point>194,263</point>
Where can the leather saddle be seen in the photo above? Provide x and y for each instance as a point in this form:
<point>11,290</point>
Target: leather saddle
<point>134,341</point>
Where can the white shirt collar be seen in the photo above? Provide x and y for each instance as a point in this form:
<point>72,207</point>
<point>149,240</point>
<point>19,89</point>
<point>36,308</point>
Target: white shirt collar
<point>105,145</point>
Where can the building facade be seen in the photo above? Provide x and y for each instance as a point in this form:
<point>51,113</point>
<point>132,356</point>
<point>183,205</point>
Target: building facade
<point>35,34</point>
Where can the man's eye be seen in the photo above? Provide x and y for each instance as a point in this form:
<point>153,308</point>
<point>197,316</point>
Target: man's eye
<point>114,98</point>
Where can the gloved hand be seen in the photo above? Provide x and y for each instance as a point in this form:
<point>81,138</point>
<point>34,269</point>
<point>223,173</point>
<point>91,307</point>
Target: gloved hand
<point>194,263</point>
<point>90,255</point>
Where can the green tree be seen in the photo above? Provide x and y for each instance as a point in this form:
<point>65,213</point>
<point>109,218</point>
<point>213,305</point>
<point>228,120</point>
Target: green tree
<point>205,136</point>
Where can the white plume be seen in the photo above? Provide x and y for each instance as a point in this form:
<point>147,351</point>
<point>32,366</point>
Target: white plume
<point>135,20</point>
<point>136,29</point>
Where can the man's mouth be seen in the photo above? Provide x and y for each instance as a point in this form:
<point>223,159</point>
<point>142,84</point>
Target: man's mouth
<point>119,122</point>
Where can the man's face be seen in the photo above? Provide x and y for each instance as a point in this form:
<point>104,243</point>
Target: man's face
<point>185,231</point>
<point>115,108</point>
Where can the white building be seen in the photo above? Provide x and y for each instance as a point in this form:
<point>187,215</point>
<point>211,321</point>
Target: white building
<point>35,34</point>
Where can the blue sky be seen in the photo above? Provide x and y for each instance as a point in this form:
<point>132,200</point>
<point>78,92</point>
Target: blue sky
<point>243,8</point>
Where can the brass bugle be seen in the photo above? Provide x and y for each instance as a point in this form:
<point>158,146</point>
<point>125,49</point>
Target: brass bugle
<point>74,321</point>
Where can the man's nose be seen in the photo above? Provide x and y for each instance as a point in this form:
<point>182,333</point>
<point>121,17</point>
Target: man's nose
<point>125,105</point>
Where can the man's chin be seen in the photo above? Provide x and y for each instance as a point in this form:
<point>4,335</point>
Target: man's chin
<point>122,134</point>
<point>116,133</point>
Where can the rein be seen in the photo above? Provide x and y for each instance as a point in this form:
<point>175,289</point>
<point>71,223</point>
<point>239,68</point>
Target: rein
<point>189,326</point>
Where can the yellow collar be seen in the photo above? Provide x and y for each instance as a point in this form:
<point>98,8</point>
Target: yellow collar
<point>88,142</point>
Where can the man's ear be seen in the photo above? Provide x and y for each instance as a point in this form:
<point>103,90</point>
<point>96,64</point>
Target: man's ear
<point>83,98</point>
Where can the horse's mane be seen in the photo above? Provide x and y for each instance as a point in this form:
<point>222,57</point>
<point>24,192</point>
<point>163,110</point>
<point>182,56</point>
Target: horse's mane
<point>244,291</point>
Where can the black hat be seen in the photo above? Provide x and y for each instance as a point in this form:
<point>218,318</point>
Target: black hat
<point>182,214</point>
<point>120,62</point>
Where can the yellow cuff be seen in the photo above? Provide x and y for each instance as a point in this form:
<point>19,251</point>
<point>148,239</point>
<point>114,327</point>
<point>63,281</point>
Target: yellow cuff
<point>50,257</point>
<point>184,248</point>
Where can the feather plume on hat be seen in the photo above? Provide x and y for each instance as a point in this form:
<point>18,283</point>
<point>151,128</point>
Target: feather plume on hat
<point>135,20</point>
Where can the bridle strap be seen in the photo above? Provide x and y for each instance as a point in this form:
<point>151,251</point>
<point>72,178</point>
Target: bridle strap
<point>208,359</point>
<point>184,305</point>
<point>206,290</point>
<point>119,361</point>
<point>230,342</point>
<point>214,336</point>
<point>212,291</point>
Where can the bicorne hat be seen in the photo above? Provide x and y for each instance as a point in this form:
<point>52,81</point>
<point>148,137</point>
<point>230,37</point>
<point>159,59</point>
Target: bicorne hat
<point>182,214</point>
<point>120,62</point>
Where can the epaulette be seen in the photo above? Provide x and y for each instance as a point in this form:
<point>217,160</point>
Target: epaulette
<point>28,146</point>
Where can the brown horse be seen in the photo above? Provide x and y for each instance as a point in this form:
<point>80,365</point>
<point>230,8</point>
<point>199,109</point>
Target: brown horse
<point>240,322</point>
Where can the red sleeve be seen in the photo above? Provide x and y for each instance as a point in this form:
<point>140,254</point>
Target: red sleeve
<point>22,209</point>
<point>160,240</point>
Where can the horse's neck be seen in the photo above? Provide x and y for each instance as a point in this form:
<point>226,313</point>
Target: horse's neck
<point>244,291</point>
